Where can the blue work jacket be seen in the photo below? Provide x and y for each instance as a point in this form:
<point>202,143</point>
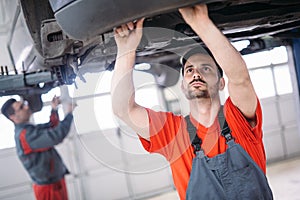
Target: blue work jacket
<point>35,148</point>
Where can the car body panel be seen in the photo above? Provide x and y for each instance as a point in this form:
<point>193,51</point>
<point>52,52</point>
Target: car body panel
<point>67,38</point>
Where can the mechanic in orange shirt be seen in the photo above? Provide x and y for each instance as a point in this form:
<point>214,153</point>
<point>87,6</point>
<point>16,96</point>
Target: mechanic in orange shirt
<point>221,164</point>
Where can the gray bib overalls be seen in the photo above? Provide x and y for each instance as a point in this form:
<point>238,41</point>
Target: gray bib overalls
<point>232,175</point>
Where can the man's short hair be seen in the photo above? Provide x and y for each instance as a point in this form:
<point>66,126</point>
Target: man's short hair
<point>199,50</point>
<point>7,108</point>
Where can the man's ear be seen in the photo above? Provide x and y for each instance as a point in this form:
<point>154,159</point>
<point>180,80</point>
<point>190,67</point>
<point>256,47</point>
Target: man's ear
<point>221,83</point>
<point>182,88</point>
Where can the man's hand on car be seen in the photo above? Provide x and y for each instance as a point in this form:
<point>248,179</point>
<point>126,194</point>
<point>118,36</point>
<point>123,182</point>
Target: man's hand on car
<point>55,102</point>
<point>128,36</point>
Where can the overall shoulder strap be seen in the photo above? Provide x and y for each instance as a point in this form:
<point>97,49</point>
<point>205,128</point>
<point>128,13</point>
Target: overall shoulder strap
<point>196,141</point>
<point>226,132</point>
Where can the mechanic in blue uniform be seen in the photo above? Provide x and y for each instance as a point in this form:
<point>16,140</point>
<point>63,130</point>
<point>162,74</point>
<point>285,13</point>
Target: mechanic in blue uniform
<point>35,147</point>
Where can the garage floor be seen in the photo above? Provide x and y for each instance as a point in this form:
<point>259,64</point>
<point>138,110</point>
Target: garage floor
<point>283,176</point>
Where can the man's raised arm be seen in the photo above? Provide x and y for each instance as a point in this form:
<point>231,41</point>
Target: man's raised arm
<point>124,106</point>
<point>240,88</point>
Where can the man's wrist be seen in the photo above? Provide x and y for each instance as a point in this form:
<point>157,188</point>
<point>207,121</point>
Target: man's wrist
<point>201,23</point>
<point>126,53</point>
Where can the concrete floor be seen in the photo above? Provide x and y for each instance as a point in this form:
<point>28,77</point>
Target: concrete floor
<point>283,176</point>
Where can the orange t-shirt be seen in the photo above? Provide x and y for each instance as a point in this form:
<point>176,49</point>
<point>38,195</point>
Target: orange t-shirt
<point>169,137</point>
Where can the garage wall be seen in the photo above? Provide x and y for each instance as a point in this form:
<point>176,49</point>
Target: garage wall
<point>111,163</point>
<point>105,163</point>
<point>281,122</point>
<point>281,130</point>
<point>99,168</point>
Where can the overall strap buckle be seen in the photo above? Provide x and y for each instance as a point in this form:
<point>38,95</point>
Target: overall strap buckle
<point>197,142</point>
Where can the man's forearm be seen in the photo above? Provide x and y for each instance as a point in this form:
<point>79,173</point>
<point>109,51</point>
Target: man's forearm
<point>240,87</point>
<point>225,54</point>
<point>54,118</point>
<point>123,93</point>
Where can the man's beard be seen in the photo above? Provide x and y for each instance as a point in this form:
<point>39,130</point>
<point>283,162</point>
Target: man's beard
<point>204,94</point>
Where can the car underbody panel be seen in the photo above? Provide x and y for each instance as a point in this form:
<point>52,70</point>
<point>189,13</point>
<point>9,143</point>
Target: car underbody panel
<point>72,37</point>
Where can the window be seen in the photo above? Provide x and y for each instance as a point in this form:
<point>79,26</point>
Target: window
<point>7,134</point>
<point>43,116</point>
<point>283,79</point>
<point>94,111</point>
<point>269,72</point>
<point>262,80</point>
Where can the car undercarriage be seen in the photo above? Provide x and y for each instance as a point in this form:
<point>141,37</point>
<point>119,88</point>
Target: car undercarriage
<point>72,37</point>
